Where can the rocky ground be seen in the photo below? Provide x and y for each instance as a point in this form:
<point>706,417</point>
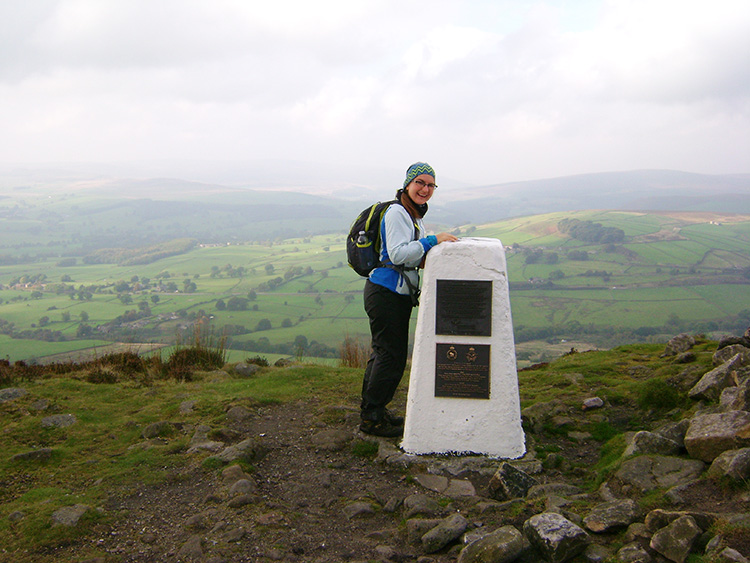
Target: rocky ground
<point>317,492</point>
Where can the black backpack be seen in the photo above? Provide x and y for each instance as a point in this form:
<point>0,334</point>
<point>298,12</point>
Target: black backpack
<point>363,241</point>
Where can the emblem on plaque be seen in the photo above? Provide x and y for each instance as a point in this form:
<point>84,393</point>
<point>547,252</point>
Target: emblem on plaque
<point>451,354</point>
<point>471,355</point>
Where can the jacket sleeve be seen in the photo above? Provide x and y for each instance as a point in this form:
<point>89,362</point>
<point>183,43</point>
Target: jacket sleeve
<point>399,245</point>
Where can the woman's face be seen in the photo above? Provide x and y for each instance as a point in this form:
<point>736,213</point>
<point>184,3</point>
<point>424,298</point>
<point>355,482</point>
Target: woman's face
<point>421,188</point>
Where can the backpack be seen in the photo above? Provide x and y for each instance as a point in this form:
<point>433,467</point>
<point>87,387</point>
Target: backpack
<point>363,240</point>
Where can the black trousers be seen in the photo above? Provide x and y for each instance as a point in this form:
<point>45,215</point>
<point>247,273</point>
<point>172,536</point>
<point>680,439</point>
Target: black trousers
<point>389,314</point>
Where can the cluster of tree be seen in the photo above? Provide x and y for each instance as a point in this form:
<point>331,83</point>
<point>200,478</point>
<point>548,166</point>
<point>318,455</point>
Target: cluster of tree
<point>299,347</point>
<point>579,255</point>
<point>538,256</point>
<point>229,271</point>
<point>588,231</point>
<point>137,256</point>
<point>608,336</point>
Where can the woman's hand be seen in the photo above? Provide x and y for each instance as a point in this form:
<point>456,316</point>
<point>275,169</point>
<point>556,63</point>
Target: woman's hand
<point>446,237</point>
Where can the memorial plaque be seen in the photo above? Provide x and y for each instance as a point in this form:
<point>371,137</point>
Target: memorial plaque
<point>462,370</point>
<point>463,308</point>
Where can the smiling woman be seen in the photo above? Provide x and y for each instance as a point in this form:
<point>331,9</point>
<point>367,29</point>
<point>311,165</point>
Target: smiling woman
<point>391,293</point>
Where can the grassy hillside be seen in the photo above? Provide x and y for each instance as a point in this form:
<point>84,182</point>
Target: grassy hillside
<point>296,296</point>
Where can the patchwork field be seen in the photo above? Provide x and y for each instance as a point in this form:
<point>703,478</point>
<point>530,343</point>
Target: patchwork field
<point>296,296</point>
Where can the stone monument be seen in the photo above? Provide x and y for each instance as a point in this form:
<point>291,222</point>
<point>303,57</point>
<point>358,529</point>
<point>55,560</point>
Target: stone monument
<point>463,389</point>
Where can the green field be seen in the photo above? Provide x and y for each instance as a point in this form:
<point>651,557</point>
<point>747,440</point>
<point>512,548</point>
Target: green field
<point>670,272</point>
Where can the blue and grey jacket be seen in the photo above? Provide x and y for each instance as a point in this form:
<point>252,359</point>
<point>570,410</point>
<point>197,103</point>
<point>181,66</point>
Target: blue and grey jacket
<point>401,245</point>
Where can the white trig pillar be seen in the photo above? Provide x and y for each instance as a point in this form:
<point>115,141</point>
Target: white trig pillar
<point>463,388</point>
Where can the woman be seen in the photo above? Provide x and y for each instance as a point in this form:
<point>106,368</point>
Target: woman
<point>388,297</point>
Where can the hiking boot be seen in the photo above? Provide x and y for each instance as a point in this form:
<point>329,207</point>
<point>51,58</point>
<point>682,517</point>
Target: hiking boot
<point>381,428</point>
<point>392,418</point>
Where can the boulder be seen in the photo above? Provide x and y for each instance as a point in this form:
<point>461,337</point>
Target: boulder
<point>731,464</point>
<point>711,434</point>
<point>448,531</point>
<point>420,505</point>
<point>736,398</point>
<point>679,344</point>
<point>11,393</point>
<point>504,545</point>
<point>246,370</point>
<point>674,431</point>
<point>59,421</point>
<point>710,386</point>
<point>69,515</point>
<point>608,516</point>
<point>649,472</point>
<point>633,553</point>
<point>645,442</point>
<point>508,483</point>
<point>676,541</point>
<point>724,354</point>
<point>247,450</point>
<point>555,537</point>
<point>158,430</point>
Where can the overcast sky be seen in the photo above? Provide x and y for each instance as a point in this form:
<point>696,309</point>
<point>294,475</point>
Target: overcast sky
<point>486,91</point>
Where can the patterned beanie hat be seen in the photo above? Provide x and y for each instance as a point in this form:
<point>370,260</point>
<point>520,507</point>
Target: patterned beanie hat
<point>416,169</point>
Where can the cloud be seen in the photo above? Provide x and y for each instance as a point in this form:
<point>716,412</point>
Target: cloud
<point>493,91</point>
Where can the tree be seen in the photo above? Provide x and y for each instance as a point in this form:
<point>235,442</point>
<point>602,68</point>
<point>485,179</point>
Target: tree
<point>84,330</point>
<point>286,323</point>
<point>84,316</point>
<point>263,324</point>
<point>154,299</point>
<point>66,317</point>
<point>220,305</point>
<point>236,303</point>
<point>251,295</point>
<point>270,269</point>
<point>44,321</point>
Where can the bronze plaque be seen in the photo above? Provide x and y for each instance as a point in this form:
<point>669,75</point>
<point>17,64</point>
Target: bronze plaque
<point>463,308</point>
<point>462,370</point>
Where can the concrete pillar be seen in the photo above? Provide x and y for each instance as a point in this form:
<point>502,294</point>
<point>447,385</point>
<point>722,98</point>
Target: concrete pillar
<point>463,388</point>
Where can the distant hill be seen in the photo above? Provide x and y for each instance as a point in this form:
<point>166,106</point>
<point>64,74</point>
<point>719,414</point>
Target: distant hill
<point>640,190</point>
<point>262,199</point>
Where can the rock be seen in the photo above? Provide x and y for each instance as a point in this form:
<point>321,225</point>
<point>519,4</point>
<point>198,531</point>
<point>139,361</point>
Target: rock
<point>658,518</point>
<point>238,414</point>
<point>637,532</point>
<point>555,537</point>
<point>736,398</point>
<point>332,440</point>
<point>232,474</point>
<point>645,442</point>
<point>69,515</point>
<point>247,450</point>
<point>283,363</point>
<point>711,434</point>
<point>679,344</point>
<point>59,421</point>
<point>417,527</point>
<point>729,555</point>
<point>448,531</point>
<point>437,483</point>
<point>676,541</point>
<point>728,352</point>
<point>201,442</point>
<point>458,488</point>
<point>592,403</point>
<point>504,545</point>
<point>246,370</point>
<point>241,500</point>
<point>710,386</point>
<point>508,483</point>
<point>191,550</point>
<point>608,516</point>
<point>418,504</point>
<point>685,358</point>
<point>731,464</point>
<point>186,407</point>
<point>243,487</point>
<point>158,430</point>
<point>596,553</point>
<point>633,553</point>
<point>11,393</point>
<point>42,454</point>
<point>358,510</point>
<point>674,431</point>
<point>649,472</point>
